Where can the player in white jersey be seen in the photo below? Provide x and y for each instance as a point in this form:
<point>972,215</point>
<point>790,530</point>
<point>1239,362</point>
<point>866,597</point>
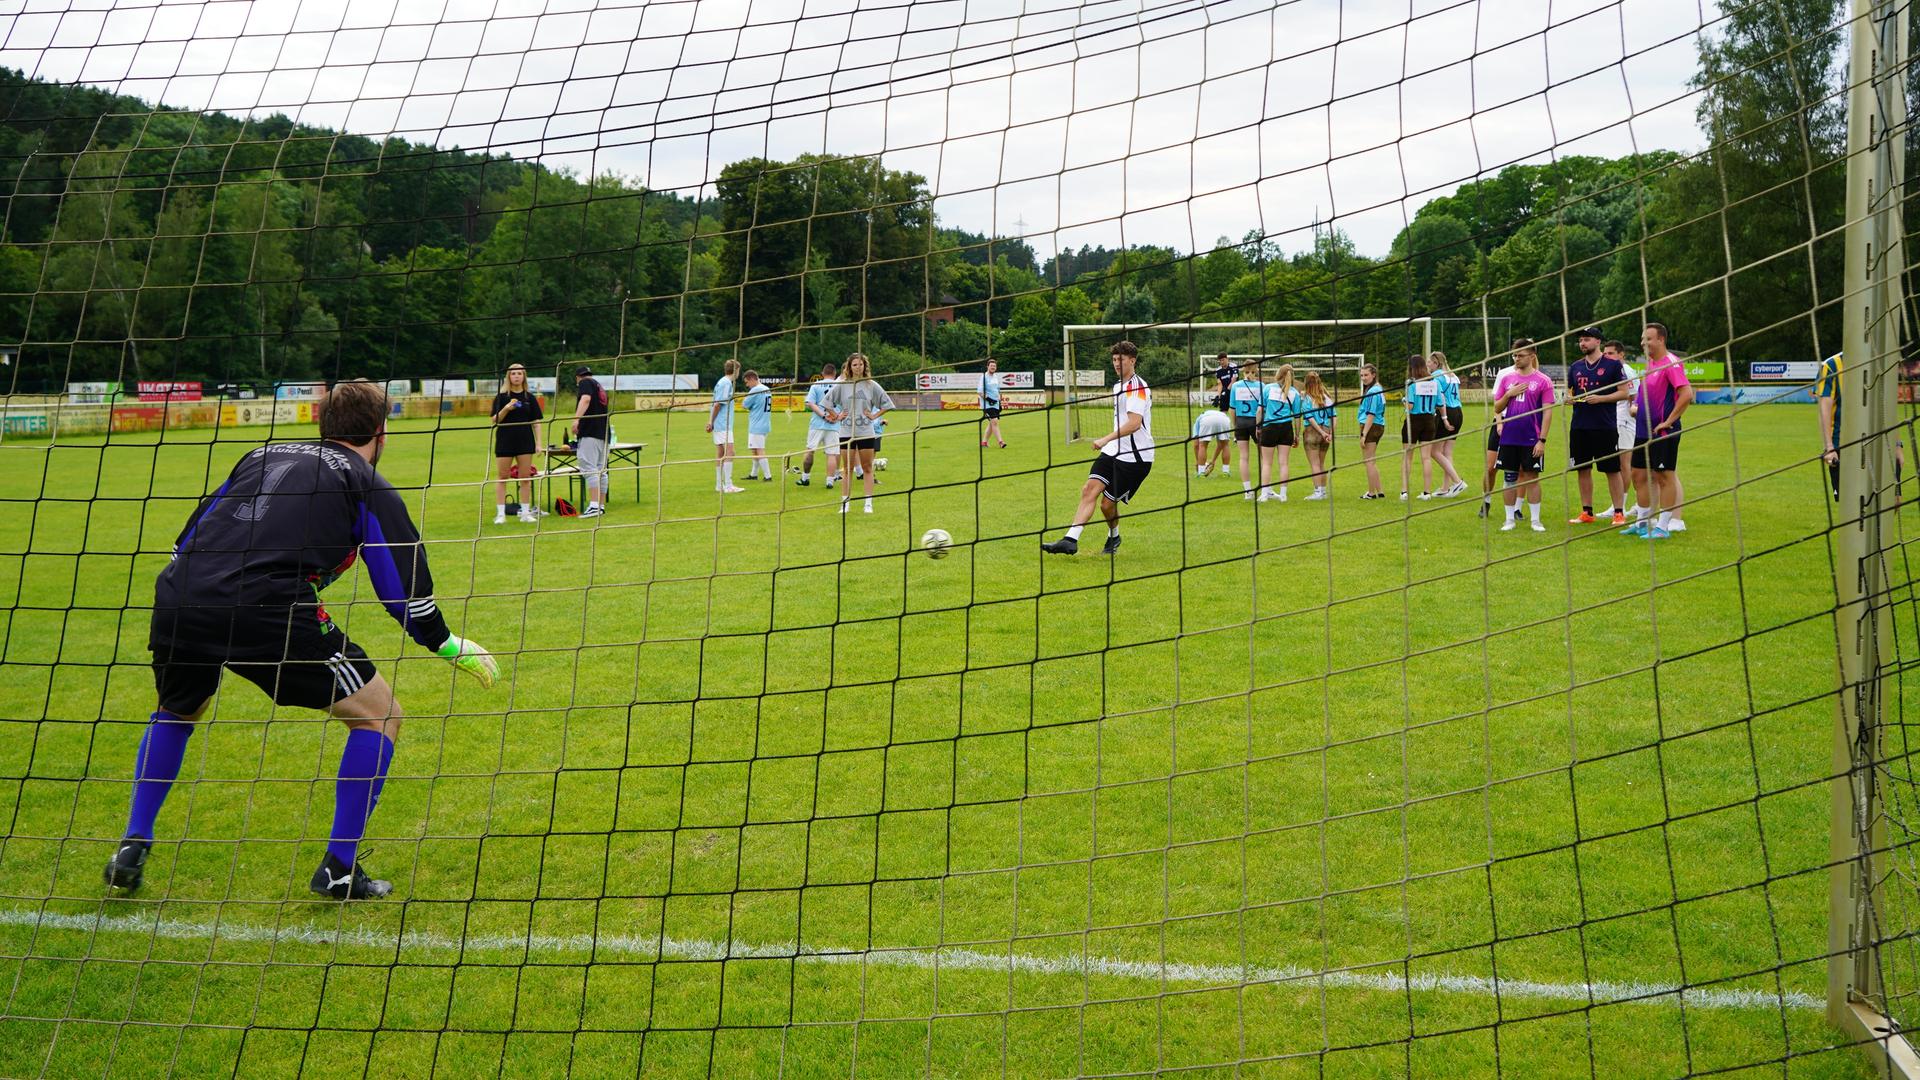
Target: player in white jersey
<point>1125,459</point>
<point>1212,434</point>
<point>1493,448</point>
<point>1624,412</point>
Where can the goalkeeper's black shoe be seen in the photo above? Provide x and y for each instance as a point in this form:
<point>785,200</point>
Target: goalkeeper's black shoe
<point>335,879</point>
<point>1066,545</point>
<point>1113,545</point>
<point>129,863</point>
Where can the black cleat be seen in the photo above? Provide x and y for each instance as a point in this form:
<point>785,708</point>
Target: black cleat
<point>1066,545</point>
<point>1113,545</point>
<point>803,481</point>
<point>1483,509</point>
<point>129,863</point>
<point>335,880</point>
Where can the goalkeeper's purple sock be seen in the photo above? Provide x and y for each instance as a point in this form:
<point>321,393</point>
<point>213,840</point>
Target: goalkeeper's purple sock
<point>162,748</point>
<point>363,772</point>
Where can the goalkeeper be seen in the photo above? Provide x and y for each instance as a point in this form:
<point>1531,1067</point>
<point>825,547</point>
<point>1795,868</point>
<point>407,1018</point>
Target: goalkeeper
<point>243,593</point>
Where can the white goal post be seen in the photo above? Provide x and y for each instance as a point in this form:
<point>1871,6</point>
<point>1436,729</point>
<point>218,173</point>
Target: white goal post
<point>1073,333</point>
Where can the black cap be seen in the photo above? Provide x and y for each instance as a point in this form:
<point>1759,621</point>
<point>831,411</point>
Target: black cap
<point>582,371</point>
<point>1592,332</point>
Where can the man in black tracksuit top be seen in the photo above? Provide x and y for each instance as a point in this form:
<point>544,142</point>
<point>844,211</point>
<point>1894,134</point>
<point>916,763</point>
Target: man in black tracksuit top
<point>243,593</point>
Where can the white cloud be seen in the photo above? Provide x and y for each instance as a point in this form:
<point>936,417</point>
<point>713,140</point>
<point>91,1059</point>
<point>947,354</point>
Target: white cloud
<point>1157,121</point>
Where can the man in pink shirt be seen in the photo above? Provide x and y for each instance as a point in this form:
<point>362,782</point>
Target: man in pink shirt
<point>1663,395</point>
<point>1524,399</point>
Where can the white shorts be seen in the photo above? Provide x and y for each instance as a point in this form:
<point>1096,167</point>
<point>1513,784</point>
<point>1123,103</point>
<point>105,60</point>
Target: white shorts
<point>756,441</point>
<point>816,437</point>
<point>723,437</point>
<point>1624,428</point>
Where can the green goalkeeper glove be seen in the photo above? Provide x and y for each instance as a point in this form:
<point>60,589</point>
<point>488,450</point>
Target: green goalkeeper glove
<point>471,658</point>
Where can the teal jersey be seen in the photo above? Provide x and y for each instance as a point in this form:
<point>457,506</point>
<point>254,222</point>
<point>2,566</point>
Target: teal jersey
<point>1423,396</point>
<point>723,395</point>
<point>1279,405</point>
<point>817,394</point>
<point>759,403</point>
<point>1449,389</point>
<point>990,391</point>
<point>1373,405</point>
<point>1249,398</point>
<point>1317,412</point>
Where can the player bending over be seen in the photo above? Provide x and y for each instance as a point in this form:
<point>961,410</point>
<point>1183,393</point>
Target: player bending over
<point>242,592</point>
<point>1125,459</point>
<point>1212,433</point>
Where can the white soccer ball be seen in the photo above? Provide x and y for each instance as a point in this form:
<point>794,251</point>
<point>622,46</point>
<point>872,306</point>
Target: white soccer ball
<point>879,464</point>
<point>936,543</point>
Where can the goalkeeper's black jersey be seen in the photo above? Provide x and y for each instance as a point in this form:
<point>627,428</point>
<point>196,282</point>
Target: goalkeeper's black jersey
<point>248,569</point>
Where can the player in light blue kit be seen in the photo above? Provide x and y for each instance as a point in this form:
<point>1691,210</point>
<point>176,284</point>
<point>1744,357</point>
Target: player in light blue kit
<point>823,427</point>
<point>720,423</point>
<point>759,404</point>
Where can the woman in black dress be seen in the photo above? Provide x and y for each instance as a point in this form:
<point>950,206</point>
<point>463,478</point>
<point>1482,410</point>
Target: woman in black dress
<point>516,416</point>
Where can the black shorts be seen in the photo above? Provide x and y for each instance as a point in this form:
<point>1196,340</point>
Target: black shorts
<point>1658,455</point>
<point>1594,448</point>
<point>513,443</point>
<point>1493,438</point>
<point>1243,428</point>
<point>1270,435</point>
<point>319,670</point>
<point>1122,478</point>
<point>990,412</point>
<point>1455,418</point>
<point>1519,459</point>
<point>1417,428</point>
<point>860,444</point>
<point>1375,432</point>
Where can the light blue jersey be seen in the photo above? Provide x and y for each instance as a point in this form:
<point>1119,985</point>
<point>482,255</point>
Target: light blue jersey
<point>989,391</point>
<point>1373,405</point>
<point>723,396</point>
<point>1248,398</point>
<point>1317,413</point>
<point>759,403</point>
<point>1278,405</point>
<point>817,395</point>
<point>1449,389</point>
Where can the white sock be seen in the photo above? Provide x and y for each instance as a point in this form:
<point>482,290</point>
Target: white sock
<point>1113,531</point>
<point>499,508</point>
<point>805,475</point>
<point>719,477</point>
<point>1534,509</point>
<point>1661,521</point>
<point>593,504</point>
<point>729,470</point>
<point>1246,485</point>
<point>1073,533</point>
<point>1486,500</point>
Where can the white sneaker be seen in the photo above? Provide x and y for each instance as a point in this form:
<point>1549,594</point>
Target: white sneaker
<point>1265,496</point>
<point>527,517</point>
<point>731,490</point>
<point>1403,496</point>
<point>1509,524</point>
<point>868,507</point>
<point>499,517</point>
<point>1538,527</point>
<point>1246,494</point>
<point>1459,488</point>
<point>1675,525</point>
<point>1426,496</point>
<point>1318,493</point>
<point>845,501</point>
<point>1283,495</point>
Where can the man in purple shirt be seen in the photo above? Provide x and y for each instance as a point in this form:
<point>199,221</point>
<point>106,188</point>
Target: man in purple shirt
<point>1524,399</point>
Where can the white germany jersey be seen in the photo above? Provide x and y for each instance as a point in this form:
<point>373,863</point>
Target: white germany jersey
<point>1132,396</point>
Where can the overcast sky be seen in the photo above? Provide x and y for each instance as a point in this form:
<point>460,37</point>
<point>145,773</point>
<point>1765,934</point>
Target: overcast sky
<point>1156,121</point>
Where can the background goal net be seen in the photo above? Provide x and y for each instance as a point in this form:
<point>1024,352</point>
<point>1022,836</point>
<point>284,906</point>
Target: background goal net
<point>774,781</point>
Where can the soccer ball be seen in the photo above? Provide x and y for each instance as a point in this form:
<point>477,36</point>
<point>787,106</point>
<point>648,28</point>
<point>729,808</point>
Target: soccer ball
<point>879,464</point>
<point>936,543</point>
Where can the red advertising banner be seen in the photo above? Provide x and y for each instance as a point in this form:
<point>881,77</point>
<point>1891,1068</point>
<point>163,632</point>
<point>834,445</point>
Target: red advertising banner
<point>168,391</point>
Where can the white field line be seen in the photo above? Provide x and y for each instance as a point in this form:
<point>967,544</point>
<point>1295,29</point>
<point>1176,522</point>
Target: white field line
<point>946,958</point>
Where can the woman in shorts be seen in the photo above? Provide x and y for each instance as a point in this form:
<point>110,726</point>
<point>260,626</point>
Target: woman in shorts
<point>1246,398</point>
<point>1212,434</point>
<point>516,414</point>
<point>1316,432</point>
<point>1451,416</point>
<point>862,402</point>
<point>1373,424</point>
<point>1275,433</point>
<point>1418,426</point>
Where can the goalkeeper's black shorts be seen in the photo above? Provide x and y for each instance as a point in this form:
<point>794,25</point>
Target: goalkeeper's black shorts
<point>317,671</point>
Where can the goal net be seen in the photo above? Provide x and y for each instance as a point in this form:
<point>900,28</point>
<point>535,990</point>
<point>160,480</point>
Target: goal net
<point>740,381</point>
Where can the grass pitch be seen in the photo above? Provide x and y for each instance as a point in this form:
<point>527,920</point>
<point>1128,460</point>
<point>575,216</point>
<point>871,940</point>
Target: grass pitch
<point>1341,788</point>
